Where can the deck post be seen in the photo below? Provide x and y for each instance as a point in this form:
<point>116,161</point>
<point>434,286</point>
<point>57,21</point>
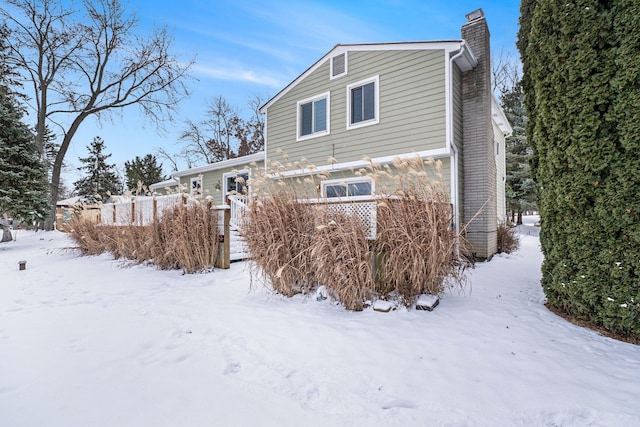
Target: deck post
<point>224,256</point>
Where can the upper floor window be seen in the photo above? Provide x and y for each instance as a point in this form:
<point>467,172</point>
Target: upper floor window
<point>313,117</point>
<point>363,103</point>
<point>349,187</point>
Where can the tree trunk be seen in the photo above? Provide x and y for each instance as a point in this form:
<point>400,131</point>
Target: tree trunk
<point>519,218</point>
<point>57,170</point>
<point>6,235</point>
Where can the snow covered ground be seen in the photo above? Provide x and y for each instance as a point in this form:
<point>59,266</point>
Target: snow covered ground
<point>89,341</point>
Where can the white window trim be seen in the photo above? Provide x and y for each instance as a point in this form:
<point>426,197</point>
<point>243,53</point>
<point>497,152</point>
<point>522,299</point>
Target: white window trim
<point>330,182</point>
<point>376,119</point>
<point>327,131</point>
<point>191,189</point>
<point>346,66</point>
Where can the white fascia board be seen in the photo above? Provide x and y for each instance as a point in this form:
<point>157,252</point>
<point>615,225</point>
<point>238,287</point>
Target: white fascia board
<point>446,45</point>
<point>238,161</point>
<point>358,164</point>
<point>498,116</point>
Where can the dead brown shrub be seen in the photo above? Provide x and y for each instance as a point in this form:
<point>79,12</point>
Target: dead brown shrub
<point>508,239</point>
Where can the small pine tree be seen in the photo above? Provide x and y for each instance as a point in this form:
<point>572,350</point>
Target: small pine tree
<point>100,180</point>
<point>142,171</point>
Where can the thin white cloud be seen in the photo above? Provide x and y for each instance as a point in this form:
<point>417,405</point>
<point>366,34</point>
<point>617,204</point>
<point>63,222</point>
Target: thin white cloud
<point>238,74</point>
<point>309,24</point>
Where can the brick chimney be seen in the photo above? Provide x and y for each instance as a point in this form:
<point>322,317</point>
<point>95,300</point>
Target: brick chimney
<point>478,146</point>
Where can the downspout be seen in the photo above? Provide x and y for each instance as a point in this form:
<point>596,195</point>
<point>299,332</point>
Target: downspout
<point>454,161</point>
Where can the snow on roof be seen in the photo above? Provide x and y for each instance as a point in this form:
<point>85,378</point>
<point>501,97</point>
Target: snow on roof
<point>237,161</point>
<point>164,184</point>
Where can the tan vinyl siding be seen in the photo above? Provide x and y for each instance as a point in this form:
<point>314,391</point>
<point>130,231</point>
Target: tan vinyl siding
<point>412,108</point>
<point>306,187</point>
<point>501,174</point>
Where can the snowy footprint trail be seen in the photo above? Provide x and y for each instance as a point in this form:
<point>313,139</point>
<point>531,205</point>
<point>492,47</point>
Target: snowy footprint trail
<point>93,341</point>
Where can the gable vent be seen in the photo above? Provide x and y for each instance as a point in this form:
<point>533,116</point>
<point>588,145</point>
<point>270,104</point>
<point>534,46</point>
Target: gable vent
<point>339,65</point>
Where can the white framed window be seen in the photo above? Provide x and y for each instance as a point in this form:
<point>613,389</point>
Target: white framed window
<point>195,187</point>
<point>236,182</point>
<point>338,66</point>
<point>363,103</point>
<point>313,117</point>
<point>348,187</point>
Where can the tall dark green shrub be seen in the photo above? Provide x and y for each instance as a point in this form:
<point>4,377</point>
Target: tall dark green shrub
<point>583,83</point>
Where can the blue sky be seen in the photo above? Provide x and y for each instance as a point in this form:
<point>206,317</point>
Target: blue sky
<point>246,48</point>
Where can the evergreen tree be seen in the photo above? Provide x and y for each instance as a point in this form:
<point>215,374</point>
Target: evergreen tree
<point>582,68</point>
<point>100,180</point>
<point>521,194</point>
<point>142,172</point>
<point>23,190</point>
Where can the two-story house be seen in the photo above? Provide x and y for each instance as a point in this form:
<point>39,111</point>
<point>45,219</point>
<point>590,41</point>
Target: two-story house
<point>430,99</point>
<point>388,100</point>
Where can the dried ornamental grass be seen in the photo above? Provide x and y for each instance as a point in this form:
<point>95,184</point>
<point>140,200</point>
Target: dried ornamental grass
<point>186,237</point>
<point>342,259</point>
<point>86,235</point>
<point>278,235</point>
<point>418,250</point>
<point>418,247</point>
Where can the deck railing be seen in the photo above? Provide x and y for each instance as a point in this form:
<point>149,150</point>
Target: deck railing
<point>238,206</point>
<point>364,207</point>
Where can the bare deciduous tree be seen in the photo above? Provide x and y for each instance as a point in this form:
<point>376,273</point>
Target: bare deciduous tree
<point>222,123</point>
<point>90,63</point>
<point>505,72</point>
<point>251,135</point>
<point>222,135</point>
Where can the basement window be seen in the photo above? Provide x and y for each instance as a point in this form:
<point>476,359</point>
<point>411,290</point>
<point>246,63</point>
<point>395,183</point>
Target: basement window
<point>349,187</point>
